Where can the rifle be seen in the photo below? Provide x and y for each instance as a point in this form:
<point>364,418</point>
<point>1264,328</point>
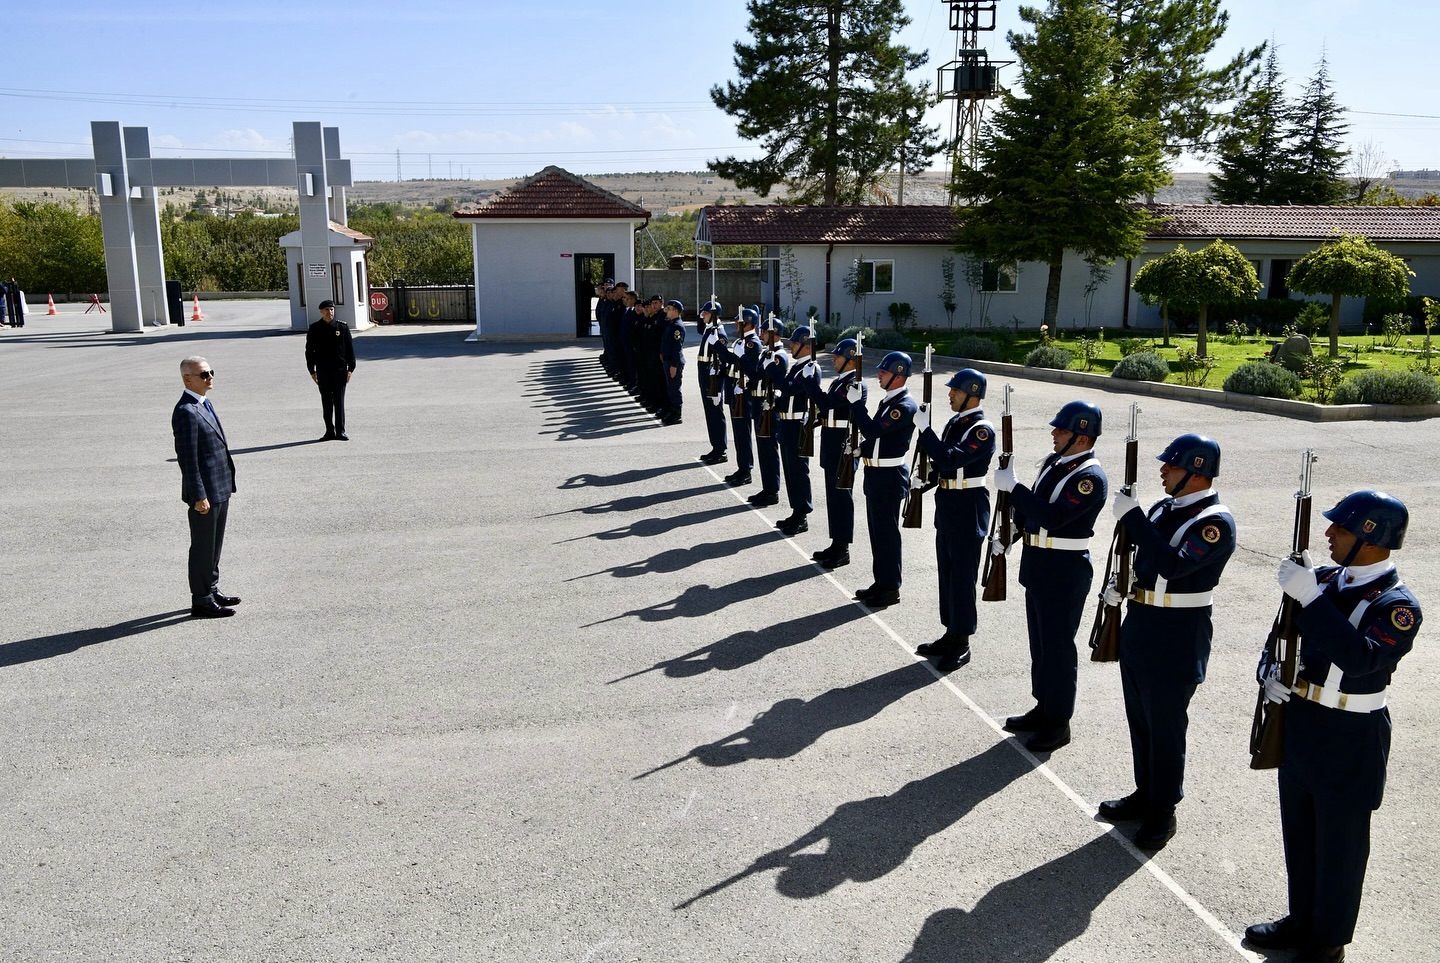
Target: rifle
<point>807,435</point>
<point>765,427</point>
<point>1000,523</point>
<point>737,401</point>
<point>713,329</point>
<point>1105,634</point>
<point>920,470</point>
<point>845,471</point>
<point>1267,731</point>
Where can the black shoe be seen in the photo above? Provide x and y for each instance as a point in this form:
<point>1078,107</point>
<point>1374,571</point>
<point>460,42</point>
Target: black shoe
<point>789,520</point>
<point>1050,738</point>
<point>764,499</point>
<point>954,660</point>
<point>328,436</point>
<point>1157,829</point>
<point>210,611</point>
<point>1032,721</point>
<point>882,599</point>
<point>838,560</point>
<point>795,529</point>
<point>834,548</point>
<point>1132,806</point>
<point>670,418</point>
<point>737,478</point>
<point>1283,934</point>
<point>719,459</point>
<point>863,594</point>
<point>341,436</point>
<point>225,599</point>
<point>940,647</point>
<point>711,456</point>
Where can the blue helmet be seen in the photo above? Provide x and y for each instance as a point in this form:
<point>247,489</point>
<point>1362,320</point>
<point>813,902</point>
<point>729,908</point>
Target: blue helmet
<point>676,305</point>
<point>1372,517</point>
<point>800,335</point>
<point>773,325</point>
<point>897,362</point>
<point>712,306</point>
<point>1078,417</point>
<point>1195,453</point>
<point>750,316</point>
<point>849,349</point>
<point>969,381</point>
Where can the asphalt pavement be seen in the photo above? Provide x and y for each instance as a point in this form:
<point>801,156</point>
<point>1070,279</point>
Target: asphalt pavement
<point>516,678</point>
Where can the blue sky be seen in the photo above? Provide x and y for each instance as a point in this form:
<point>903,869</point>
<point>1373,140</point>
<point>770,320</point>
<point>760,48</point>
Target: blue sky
<point>500,89</point>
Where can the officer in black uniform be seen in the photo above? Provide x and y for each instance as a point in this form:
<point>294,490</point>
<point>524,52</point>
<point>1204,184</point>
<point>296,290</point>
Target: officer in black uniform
<point>960,456</point>
<point>1356,622</point>
<point>672,361</point>
<point>1181,546</point>
<point>737,394</point>
<point>834,411</point>
<point>764,372</point>
<point>885,451</point>
<point>708,368</point>
<point>792,411</point>
<point>1057,515</point>
<point>330,357</point>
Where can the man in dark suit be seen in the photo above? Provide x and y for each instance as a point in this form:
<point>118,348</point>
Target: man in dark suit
<point>330,356</point>
<point>207,480</point>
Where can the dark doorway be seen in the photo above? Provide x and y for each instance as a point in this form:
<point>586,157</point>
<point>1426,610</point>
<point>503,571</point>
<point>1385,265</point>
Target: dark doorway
<point>1278,270</point>
<point>590,270</point>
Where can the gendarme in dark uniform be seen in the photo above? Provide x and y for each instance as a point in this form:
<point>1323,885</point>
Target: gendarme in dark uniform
<point>330,357</point>
<point>1181,546</point>
<point>737,393</point>
<point>792,410</point>
<point>672,361</point>
<point>834,410</point>
<point>1357,621</point>
<point>960,455</point>
<point>710,367</point>
<point>1057,516</point>
<point>885,453</point>
<point>764,371</point>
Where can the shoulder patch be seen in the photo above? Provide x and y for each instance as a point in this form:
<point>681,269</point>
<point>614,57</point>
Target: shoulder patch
<point>1403,618</point>
<point>679,335</point>
<point>1211,533</point>
<point>895,414</point>
<point>1085,486</point>
<point>982,434</point>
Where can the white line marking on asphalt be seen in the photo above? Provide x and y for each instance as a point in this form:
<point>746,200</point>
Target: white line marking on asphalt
<point>688,803</point>
<point>1164,878</point>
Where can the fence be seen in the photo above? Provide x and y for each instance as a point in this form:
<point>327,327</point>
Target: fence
<point>424,304</point>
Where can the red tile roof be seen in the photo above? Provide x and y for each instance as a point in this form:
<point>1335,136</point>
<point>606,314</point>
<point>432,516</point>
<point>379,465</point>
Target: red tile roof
<point>1303,223</point>
<point>776,224</point>
<point>555,193</point>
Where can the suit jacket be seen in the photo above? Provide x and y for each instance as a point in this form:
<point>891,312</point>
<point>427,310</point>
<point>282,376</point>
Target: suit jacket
<point>206,469</point>
<point>329,348</point>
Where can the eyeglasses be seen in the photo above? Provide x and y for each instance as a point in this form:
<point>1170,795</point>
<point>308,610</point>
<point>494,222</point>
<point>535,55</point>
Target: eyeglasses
<point>207,375</point>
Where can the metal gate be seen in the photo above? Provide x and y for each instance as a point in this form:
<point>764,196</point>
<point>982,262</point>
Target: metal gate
<point>427,304</point>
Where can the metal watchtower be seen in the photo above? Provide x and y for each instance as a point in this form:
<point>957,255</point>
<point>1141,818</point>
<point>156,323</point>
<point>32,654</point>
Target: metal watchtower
<point>969,80</point>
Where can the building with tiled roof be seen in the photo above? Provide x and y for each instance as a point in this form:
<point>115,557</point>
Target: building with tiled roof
<point>1280,222</point>
<point>540,247</point>
<point>776,224</point>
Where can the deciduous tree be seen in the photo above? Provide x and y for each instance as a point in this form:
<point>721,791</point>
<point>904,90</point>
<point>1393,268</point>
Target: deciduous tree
<point>1349,266</point>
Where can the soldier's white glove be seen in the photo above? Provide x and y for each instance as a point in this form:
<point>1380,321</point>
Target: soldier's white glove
<point>922,417</point>
<point>714,400</point>
<point>810,370</point>
<point>997,546</point>
<point>1275,690</point>
<point>1005,478</point>
<point>853,393</point>
<point>1123,505</point>
<point>767,356</point>
<point>1111,596</point>
<point>738,349</point>
<point>1297,579</point>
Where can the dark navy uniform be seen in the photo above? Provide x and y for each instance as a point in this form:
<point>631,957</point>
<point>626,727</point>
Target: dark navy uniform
<point>834,413</point>
<point>737,387</point>
<point>793,401</point>
<point>764,369</point>
<point>885,450</point>
<point>672,361</point>
<point>1057,515</point>
<point>708,364</point>
<point>960,455</point>
<point>1181,547</point>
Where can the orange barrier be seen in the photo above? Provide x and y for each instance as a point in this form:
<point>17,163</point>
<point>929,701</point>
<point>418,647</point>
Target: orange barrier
<point>195,314</point>
<point>51,309</point>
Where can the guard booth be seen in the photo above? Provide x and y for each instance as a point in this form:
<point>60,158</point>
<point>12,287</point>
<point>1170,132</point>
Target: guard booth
<point>345,272</point>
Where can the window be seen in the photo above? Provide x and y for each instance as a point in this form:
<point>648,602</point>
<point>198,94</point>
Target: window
<point>996,277</point>
<point>337,283</point>
<point>876,277</point>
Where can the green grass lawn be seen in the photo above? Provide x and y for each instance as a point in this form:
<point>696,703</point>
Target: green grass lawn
<point>1357,352</point>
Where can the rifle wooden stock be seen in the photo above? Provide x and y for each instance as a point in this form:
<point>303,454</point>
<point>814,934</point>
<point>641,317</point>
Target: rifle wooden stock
<point>737,403</point>
<point>812,422</point>
<point>920,470</point>
<point>1000,524</point>
<point>845,471</point>
<point>1267,729</point>
<point>765,427</point>
<point>1105,634</point>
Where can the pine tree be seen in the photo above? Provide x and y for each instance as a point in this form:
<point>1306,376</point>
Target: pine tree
<point>824,88</point>
<point>1316,133</point>
<point>1252,154</point>
<point>1060,166</point>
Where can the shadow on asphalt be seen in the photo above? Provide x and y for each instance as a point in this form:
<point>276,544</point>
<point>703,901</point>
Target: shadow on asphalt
<point>1029,918</point>
<point>591,480</point>
<point>675,559</point>
<point>161,336</point>
<point>283,444</point>
<point>49,646</point>
<point>746,648</point>
<point>635,503</point>
<point>650,527</point>
<point>868,838</point>
<point>583,402</point>
<point>701,600</point>
<point>793,725</point>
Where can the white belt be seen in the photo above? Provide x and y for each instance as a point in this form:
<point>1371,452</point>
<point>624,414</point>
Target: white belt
<point>702,357</point>
<point>962,483</point>
<point>1063,544</point>
<point>1175,600</point>
<point>1335,699</point>
<point>832,422</point>
<point>788,417</point>
<point>885,462</point>
<point>758,393</point>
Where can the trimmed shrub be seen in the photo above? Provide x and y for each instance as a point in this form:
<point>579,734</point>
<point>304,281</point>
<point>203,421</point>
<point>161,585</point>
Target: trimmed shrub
<point>1049,356</point>
<point>889,341</point>
<point>1142,366</point>
<point>851,331</point>
<point>976,347</point>
<point>1264,379</point>
<point>1388,388</point>
<point>826,335</point>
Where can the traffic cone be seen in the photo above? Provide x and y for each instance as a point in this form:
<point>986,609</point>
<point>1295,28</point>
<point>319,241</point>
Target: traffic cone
<point>51,309</point>
<point>195,314</point>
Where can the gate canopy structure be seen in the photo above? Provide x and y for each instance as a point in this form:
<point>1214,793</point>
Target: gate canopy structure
<point>124,176</point>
